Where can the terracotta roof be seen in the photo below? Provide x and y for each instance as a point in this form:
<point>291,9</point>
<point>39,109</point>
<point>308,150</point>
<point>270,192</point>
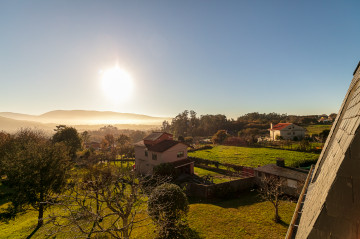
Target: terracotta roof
<point>182,162</point>
<point>285,172</point>
<point>154,136</point>
<point>163,145</point>
<point>280,126</point>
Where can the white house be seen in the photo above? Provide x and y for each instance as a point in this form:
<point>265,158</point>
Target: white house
<point>159,147</point>
<point>286,131</point>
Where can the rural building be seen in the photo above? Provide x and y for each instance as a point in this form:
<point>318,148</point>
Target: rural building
<point>293,178</point>
<point>159,147</point>
<point>286,131</point>
<point>330,207</point>
<point>93,145</point>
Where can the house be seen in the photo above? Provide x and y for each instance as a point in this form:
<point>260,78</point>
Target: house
<point>286,131</point>
<point>159,147</point>
<point>293,178</point>
<point>325,120</point>
<point>93,145</point>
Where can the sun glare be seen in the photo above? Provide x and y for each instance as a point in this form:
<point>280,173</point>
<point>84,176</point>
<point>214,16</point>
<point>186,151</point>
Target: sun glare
<point>117,84</point>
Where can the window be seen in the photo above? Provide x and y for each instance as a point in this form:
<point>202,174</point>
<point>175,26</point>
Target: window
<point>154,156</point>
<point>180,154</point>
<point>146,153</point>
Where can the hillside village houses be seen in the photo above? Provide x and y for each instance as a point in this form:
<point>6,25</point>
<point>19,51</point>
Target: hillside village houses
<point>159,147</point>
<point>286,131</point>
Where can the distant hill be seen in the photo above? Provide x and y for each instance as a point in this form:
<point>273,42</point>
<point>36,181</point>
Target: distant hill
<point>11,125</point>
<point>86,117</point>
<point>80,119</point>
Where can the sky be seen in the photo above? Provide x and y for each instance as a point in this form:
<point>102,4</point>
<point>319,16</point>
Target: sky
<point>213,57</point>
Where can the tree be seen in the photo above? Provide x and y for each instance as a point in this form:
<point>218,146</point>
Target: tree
<point>124,145</point>
<point>104,201</point>
<point>250,134</point>
<point>219,137</point>
<point>85,136</point>
<point>70,137</point>
<point>271,190</point>
<point>110,138</point>
<point>165,126</point>
<point>35,169</point>
<point>167,206</point>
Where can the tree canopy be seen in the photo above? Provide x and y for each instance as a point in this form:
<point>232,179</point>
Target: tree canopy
<point>70,137</point>
<point>35,169</point>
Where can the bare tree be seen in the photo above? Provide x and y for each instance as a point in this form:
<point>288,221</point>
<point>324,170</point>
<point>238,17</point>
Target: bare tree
<point>106,200</point>
<point>271,189</point>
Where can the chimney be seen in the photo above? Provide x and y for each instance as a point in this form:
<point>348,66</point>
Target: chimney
<point>280,162</point>
<point>271,126</point>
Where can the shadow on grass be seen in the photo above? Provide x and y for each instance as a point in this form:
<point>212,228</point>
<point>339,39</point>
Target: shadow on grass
<point>4,193</point>
<point>237,200</point>
<point>190,233</point>
<point>284,224</point>
<point>33,232</point>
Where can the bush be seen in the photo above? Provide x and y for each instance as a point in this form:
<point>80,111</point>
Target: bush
<point>167,206</point>
<point>219,137</point>
<point>165,170</point>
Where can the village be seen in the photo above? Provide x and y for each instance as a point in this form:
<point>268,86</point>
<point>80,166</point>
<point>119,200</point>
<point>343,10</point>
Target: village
<point>179,119</point>
<point>212,169</point>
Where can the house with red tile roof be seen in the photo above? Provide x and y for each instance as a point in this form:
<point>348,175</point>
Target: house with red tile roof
<point>286,131</point>
<point>159,147</point>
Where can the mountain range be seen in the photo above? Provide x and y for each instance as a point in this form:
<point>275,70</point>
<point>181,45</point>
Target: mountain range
<point>83,119</point>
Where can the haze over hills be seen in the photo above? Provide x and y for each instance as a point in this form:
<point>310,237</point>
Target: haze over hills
<point>82,119</point>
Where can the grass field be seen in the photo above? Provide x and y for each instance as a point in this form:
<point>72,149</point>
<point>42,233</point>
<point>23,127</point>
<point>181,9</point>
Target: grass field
<point>317,129</point>
<point>252,157</point>
<point>217,177</point>
<point>243,217</point>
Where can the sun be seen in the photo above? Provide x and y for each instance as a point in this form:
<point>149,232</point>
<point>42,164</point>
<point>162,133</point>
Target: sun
<point>117,84</point>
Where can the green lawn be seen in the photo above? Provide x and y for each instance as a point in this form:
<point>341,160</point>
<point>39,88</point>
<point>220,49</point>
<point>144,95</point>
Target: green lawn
<point>243,217</point>
<point>252,157</point>
<point>317,128</point>
<point>217,177</point>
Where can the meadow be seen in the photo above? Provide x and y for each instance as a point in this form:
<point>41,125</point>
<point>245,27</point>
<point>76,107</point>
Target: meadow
<point>216,177</point>
<point>243,217</point>
<point>317,128</point>
<point>252,157</point>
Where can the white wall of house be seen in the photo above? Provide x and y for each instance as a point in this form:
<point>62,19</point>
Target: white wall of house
<point>288,132</point>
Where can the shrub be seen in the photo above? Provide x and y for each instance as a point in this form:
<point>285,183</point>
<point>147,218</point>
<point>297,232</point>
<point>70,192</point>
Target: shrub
<point>167,206</point>
<point>166,170</point>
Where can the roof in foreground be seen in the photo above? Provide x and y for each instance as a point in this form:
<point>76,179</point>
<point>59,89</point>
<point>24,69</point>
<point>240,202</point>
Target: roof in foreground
<point>285,172</point>
<point>332,204</point>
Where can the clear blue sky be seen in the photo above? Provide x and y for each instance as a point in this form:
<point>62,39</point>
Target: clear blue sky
<point>228,57</point>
